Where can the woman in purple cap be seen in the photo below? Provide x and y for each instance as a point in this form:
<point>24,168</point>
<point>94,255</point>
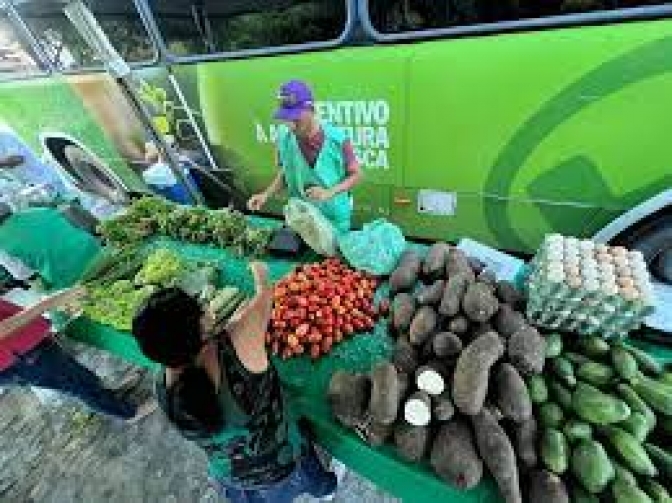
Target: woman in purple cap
<point>317,161</point>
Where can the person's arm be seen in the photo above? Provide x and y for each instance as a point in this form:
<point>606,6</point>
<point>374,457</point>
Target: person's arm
<point>276,185</point>
<point>26,316</point>
<point>247,327</point>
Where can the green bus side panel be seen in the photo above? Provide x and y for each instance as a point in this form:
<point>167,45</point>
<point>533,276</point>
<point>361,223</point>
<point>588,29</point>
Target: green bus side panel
<point>52,105</point>
<point>559,130</point>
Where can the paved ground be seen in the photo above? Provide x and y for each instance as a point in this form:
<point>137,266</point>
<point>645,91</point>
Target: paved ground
<point>59,453</point>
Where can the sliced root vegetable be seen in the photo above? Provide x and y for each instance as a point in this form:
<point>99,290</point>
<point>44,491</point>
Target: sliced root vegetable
<point>429,379</point>
<point>418,409</point>
<point>384,402</point>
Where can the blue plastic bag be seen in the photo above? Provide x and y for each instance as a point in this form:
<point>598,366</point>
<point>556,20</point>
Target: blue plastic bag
<point>375,249</point>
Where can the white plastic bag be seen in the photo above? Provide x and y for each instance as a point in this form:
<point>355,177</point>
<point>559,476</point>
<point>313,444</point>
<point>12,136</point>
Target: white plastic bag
<point>313,227</point>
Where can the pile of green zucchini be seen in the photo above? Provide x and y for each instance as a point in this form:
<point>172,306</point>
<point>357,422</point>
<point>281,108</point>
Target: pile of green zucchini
<point>604,411</point>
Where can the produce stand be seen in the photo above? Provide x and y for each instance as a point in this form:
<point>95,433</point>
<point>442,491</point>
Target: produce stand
<point>307,381</point>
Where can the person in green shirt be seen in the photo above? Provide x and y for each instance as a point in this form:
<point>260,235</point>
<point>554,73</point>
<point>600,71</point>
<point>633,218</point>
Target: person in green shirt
<point>221,390</point>
<point>317,160</point>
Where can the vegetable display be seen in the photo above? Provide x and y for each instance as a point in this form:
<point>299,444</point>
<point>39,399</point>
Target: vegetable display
<point>457,397</point>
<point>148,216</point>
<point>319,305</point>
<point>602,419</point>
<point>116,291</point>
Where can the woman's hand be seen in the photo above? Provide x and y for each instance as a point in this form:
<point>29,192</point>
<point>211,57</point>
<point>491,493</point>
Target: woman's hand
<point>257,202</point>
<point>319,194</point>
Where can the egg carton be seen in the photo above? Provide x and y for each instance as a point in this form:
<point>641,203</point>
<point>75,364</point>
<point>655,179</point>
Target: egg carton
<point>588,288</point>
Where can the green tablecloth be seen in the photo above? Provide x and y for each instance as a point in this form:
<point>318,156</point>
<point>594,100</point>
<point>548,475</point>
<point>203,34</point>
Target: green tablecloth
<point>307,381</point>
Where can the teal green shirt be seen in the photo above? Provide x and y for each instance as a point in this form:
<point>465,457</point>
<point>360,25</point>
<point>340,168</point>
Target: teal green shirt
<point>330,169</point>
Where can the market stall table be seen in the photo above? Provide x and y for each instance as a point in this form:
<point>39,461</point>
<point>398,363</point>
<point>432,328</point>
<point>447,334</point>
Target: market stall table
<point>307,381</point>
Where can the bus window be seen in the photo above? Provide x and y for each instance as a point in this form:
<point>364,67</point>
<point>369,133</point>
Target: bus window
<point>14,58</point>
<point>208,27</point>
<point>62,43</point>
<point>398,16</point>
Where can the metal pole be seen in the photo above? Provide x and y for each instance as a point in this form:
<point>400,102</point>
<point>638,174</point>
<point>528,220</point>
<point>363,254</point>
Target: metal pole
<point>87,26</point>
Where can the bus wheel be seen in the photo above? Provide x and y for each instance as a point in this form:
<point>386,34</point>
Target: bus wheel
<point>654,240</point>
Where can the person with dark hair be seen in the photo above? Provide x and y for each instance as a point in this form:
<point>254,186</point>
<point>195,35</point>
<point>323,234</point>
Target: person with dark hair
<point>220,390</point>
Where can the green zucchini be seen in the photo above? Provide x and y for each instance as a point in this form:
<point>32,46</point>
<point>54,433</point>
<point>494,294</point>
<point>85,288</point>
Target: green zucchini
<point>630,450</point>
<point>554,451</point>
<point>595,373</point>
<point>591,405</point>
<point>591,466</point>
<point>624,363</point>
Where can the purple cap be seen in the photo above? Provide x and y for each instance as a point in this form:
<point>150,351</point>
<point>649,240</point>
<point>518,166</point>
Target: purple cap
<point>295,98</point>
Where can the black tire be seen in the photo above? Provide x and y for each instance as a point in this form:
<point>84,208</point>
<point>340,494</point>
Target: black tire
<point>654,240</point>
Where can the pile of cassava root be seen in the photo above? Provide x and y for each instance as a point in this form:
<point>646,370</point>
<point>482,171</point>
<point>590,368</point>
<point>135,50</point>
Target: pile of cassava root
<point>454,391</point>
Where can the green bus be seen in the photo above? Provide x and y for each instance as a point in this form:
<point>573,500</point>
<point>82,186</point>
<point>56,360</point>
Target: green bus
<point>498,120</point>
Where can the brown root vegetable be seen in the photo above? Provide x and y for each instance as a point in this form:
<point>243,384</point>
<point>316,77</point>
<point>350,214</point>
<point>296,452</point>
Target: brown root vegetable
<point>487,277</point>
<point>429,295</point>
<point>476,265</point>
<point>434,264</point>
<point>513,399</point>
<point>405,356</point>
<point>349,395</point>
<point>418,409</point>
<point>431,379</point>
<point>480,329</point>
<point>384,403</point>
<point>470,380</point>
<point>479,303</point>
<point>527,351</point>
<point>411,441</point>
<point>403,308</point>
<point>509,294</point>
<point>452,295</point>
<point>405,275</point>
<point>443,409</point>
<point>453,456</point>
<point>445,344</point>
<point>458,325</point>
<point>376,434</point>
<point>458,263</point>
<point>423,325</point>
<point>507,321</point>
<point>546,487</point>
<point>525,439</point>
<point>498,455</point>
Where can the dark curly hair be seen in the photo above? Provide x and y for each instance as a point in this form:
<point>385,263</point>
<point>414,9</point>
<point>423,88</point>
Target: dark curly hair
<point>168,327</point>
